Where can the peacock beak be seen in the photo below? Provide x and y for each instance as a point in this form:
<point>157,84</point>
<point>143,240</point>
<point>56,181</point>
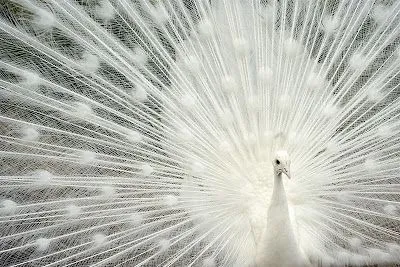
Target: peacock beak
<point>287,172</point>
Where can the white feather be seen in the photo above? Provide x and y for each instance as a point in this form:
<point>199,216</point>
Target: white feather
<point>141,133</point>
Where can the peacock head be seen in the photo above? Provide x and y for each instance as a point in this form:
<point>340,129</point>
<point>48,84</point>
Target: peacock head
<point>281,163</point>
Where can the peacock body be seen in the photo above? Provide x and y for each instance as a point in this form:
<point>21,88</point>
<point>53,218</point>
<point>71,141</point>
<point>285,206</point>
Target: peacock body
<point>141,133</point>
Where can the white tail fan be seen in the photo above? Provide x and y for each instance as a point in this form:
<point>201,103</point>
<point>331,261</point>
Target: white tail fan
<point>141,132</point>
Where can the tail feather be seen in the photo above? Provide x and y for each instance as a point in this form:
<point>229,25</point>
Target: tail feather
<point>137,132</point>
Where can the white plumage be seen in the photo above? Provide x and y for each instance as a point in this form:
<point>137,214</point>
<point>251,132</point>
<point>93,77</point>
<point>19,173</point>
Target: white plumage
<point>278,244</point>
<point>141,133</point>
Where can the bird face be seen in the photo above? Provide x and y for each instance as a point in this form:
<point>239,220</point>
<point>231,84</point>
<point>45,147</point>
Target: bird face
<point>281,163</point>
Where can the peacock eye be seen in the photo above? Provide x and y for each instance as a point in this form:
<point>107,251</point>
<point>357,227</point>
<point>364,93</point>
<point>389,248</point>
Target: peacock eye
<point>278,162</point>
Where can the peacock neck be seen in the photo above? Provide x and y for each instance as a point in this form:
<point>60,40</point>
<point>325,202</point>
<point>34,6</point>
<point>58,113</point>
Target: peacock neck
<point>279,246</point>
<point>278,194</point>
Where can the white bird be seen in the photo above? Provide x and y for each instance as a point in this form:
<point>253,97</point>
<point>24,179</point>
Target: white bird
<point>279,246</point>
<point>141,133</point>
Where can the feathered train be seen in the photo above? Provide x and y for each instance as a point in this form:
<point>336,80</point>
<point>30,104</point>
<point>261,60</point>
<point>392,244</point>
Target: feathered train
<point>141,133</point>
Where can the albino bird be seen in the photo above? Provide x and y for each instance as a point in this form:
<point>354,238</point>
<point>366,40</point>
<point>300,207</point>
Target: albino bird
<point>278,242</point>
<point>279,245</point>
<point>141,133</point>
